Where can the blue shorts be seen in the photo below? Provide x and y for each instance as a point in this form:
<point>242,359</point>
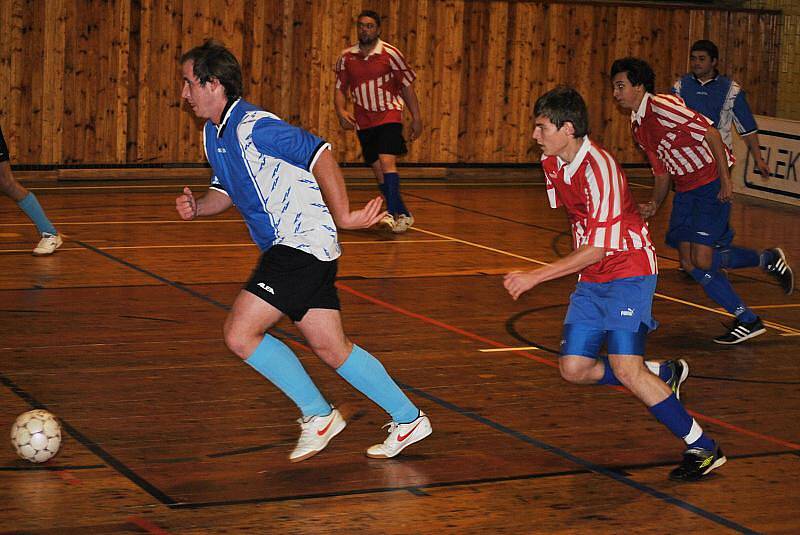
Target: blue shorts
<point>699,217</point>
<point>617,313</point>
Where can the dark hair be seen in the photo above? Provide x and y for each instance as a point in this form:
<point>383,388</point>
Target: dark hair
<point>638,70</point>
<point>371,14</point>
<point>561,105</point>
<point>213,60</point>
<point>704,45</point>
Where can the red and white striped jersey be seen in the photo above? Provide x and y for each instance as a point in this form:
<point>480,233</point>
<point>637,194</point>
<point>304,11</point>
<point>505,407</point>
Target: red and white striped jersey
<point>594,190</point>
<point>673,137</point>
<point>375,83</point>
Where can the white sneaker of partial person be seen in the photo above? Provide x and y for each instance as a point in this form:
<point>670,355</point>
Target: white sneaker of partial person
<point>387,222</point>
<point>402,223</point>
<point>48,244</point>
<point>401,436</point>
<point>316,432</point>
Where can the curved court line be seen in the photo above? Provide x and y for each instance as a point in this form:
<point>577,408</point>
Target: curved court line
<point>776,326</point>
<point>548,362</point>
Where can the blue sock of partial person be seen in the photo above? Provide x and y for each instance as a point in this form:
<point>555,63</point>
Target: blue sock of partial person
<point>671,413</point>
<point>392,181</point>
<point>30,205</point>
<point>734,258</point>
<point>608,374</point>
<point>274,360</point>
<point>368,376</point>
<point>718,287</point>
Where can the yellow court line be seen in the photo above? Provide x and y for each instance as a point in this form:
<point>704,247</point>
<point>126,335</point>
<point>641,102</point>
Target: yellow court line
<point>776,326</point>
<point>502,349</point>
<point>793,305</point>
<point>790,334</point>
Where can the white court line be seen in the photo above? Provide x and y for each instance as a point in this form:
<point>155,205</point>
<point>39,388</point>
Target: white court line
<point>217,245</point>
<point>502,349</point>
<point>776,326</point>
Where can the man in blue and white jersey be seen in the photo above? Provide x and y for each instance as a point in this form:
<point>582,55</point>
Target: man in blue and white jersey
<point>290,192</point>
<point>720,99</point>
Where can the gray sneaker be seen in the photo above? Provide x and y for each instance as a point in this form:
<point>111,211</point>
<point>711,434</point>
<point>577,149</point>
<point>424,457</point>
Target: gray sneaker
<point>48,244</point>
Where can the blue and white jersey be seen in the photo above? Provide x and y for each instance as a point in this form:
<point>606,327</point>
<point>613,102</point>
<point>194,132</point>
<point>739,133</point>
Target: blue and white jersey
<point>264,165</point>
<point>720,99</point>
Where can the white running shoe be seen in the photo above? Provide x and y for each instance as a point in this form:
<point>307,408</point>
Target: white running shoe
<point>48,244</point>
<point>316,432</point>
<point>401,436</point>
<point>387,222</point>
<point>403,223</point>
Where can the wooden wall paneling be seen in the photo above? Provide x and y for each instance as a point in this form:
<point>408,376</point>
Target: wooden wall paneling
<point>604,111</point>
<point>132,78</point>
<point>33,93</point>
<point>144,93</point>
<point>93,81</point>
<point>53,65</point>
<point>416,23</point>
<point>448,14</point>
<point>18,82</point>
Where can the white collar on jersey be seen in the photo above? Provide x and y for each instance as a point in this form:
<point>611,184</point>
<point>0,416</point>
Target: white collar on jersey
<point>221,126</point>
<point>377,50</point>
<point>638,115</point>
<point>570,168</point>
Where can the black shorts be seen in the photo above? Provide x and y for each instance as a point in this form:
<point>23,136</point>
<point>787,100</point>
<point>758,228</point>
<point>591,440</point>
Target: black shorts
<point>4,157</point>
<point>294,281</point>
<point>382,139</point>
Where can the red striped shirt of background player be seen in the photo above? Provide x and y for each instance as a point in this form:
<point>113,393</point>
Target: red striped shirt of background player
<point>375,83</point>
<point>673,137</point>
<point>603,214</point>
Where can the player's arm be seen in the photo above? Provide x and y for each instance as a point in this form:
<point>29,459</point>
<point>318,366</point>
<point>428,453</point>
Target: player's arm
<point>717,147</point>
<point>212,203</point>
<point>410,98</point>
<point>661,185</point>
<point>519,282</point>
<point>754,146</point>
<point>331,182</point>
<point>346,118</point>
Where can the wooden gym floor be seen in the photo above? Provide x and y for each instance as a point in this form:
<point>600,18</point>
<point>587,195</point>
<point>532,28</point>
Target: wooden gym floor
<point>119,334</point>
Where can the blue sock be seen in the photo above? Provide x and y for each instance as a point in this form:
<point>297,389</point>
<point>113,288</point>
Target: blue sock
<point>274,360</point>
<point>368,376</point>
<point>734,258</point>
<point>392,183</point>
<point>30,205</point>
<point>766,258</point>
<point>718,287</point>
<point>608,374</point>
<point>671,413</point>
<point>389,195</point>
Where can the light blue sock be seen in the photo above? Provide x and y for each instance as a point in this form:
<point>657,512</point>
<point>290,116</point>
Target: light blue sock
<point>671,413</point>
<point>368,376</point>
<point>274,360</point>
<point>30,205</point>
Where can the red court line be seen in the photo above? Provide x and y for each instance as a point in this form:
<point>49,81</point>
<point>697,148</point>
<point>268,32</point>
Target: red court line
<point>146,525</point>
<point>467,334</point>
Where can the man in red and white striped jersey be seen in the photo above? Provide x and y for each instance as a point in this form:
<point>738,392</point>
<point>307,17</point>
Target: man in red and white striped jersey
<point>378,79</point>
<point>683,145</point>
<point>612,303</point>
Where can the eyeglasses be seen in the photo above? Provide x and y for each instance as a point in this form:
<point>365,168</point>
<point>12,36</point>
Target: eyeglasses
<point>367,25</point>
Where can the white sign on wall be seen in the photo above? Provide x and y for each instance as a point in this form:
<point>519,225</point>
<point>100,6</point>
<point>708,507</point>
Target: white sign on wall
<point>780,148</point>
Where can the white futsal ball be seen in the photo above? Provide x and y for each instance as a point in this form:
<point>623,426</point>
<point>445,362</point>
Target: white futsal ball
<point>36,435</point>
